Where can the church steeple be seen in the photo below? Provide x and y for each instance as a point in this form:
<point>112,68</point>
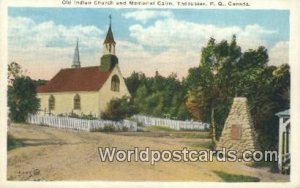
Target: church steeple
<point>109,43</point>
<point>109,59</point>
<point>76,58</point>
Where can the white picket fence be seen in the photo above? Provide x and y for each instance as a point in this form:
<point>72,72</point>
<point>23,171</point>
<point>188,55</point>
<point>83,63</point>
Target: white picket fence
<point>173,124</point>
<point>80,124</point>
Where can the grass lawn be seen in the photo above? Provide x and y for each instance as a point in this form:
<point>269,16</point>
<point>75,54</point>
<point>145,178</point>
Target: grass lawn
<point>158,128</point>
<point>236,178</point>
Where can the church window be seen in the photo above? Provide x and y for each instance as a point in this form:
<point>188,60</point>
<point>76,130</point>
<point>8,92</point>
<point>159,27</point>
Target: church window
<point>51,103</point>
<point>115,83</point>
<point>77,102</point>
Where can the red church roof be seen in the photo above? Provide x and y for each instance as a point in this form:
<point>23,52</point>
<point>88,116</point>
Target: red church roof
<point>76,79</point>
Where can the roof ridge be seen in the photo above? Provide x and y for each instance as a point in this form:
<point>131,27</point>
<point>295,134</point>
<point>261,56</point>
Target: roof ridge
<point>79,68</point>
<point>76,79</point>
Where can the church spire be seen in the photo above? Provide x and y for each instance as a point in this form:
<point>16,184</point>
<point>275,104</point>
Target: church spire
<point>109,59</point>
<point>109,42</point>
<point>76,58</point>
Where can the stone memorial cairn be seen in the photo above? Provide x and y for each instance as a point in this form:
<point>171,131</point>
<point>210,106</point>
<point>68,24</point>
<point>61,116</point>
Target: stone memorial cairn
<point>238,132</point>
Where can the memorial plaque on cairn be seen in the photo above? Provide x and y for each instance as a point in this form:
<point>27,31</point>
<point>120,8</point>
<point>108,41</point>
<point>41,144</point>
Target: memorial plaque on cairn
<point>236,132</point>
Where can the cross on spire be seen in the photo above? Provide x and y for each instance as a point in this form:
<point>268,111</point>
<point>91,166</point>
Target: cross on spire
<point>109,36</point>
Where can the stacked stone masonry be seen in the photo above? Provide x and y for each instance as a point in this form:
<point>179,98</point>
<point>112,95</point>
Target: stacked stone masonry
<point>238,132</point>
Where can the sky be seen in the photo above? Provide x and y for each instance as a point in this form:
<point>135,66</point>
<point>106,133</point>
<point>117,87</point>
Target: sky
<point>42,40</point>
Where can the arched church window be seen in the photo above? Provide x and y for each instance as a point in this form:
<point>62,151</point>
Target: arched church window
<point>77,102</point>
<point>115,83</point>
<point>51,103</point>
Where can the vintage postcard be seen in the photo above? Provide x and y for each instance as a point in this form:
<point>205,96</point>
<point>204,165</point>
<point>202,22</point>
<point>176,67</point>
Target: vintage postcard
<point>143,93</point>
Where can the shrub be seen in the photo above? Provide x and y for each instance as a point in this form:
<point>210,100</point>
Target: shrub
<point>73,115</point>
<point>89,116</point>
<point>118,109</point>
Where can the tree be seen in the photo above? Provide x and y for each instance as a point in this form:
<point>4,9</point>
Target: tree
<point>14,70</point>
<point>244,74</point>
<point>134,82</point>
<point>197,105</point>
<point>118,109</point>
<point>22,98</point>
<point>158,96</point>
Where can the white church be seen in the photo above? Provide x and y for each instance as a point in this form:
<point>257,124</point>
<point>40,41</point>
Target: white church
<point>85,90</point>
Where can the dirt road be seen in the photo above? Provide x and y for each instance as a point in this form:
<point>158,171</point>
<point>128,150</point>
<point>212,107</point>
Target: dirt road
<point>55,154</point>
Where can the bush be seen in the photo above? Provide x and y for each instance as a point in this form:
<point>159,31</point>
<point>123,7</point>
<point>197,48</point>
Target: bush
<point>118,109</point>
<point>74,115</point>
<point>89,116</point>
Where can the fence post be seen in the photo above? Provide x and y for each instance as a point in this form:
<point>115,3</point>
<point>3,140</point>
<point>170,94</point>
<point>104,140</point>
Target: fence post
<point>89,125</point>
